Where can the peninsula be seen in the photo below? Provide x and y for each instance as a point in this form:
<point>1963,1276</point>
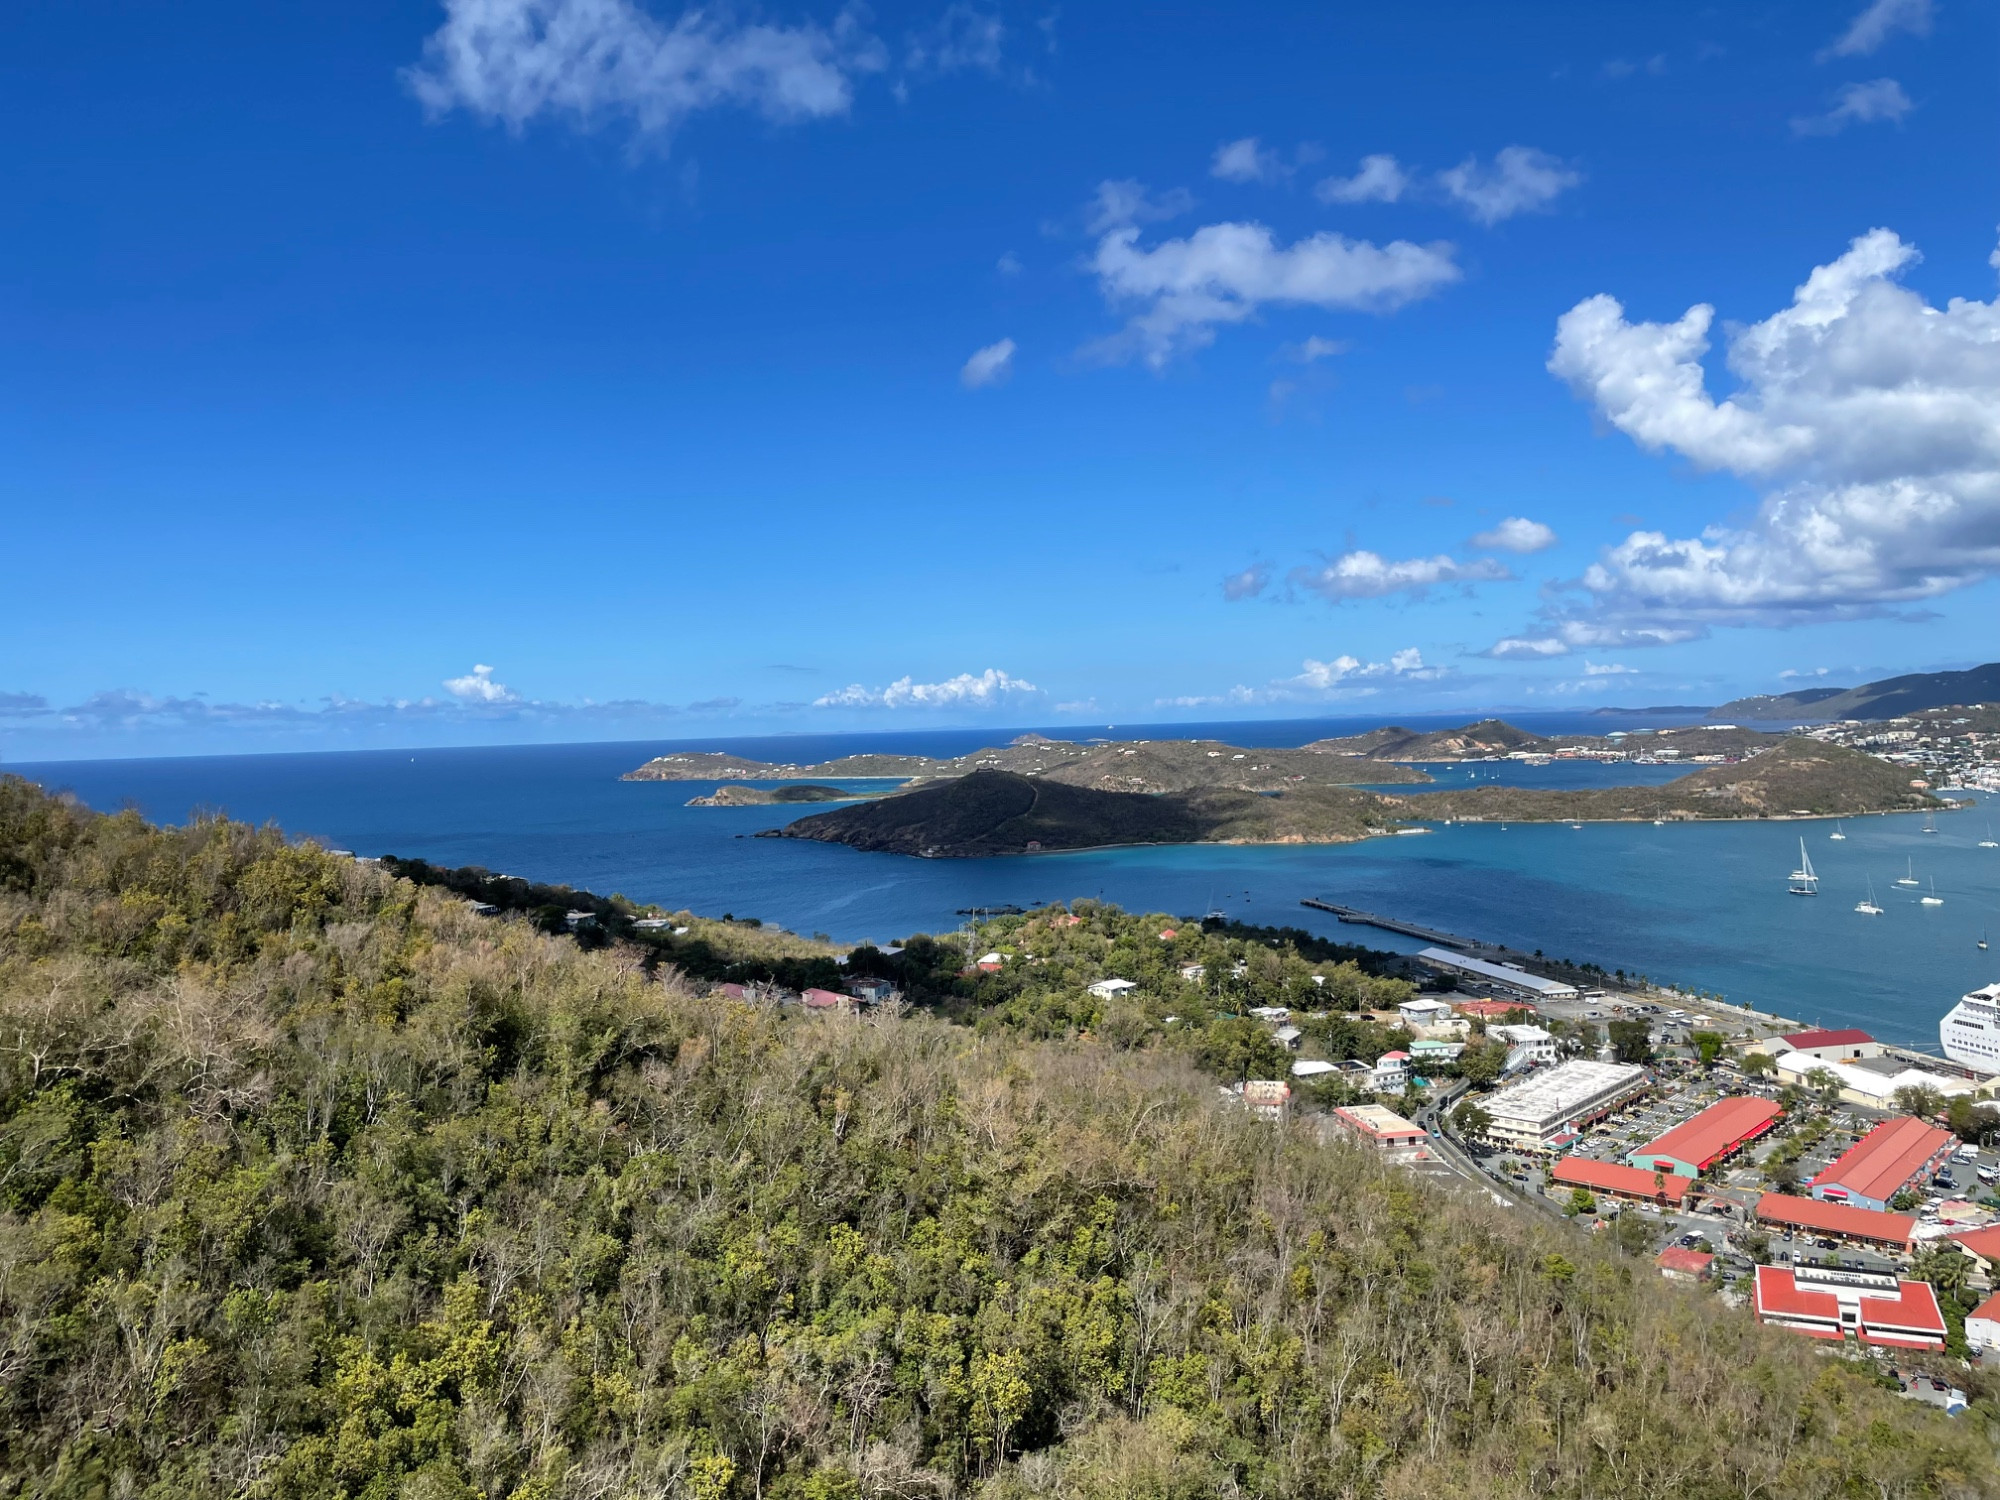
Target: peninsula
<point>989,812</point>
<point>1154,766</point>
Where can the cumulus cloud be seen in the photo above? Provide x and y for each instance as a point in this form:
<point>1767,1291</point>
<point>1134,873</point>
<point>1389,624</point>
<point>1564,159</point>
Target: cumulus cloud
<point>1515,534</point>
<point>989,689</point>
<point>1876,24</point>
<point>1379,179</point>
<point>1246,160</point>
<point>988,365</point>
<point>1792,674</point>
<point>1369,575</point>
<point>1341,676</point>
<point>1869,420</point>
<point>1316,348</point>
<point>1520,180</point>
<point>512,61</point>
<point>1248,584</point>
<point>1225,273</point>
<point>1607,669</point>
<point>1562,636</point>
<point>1858,104</point>
<point>478,686</point>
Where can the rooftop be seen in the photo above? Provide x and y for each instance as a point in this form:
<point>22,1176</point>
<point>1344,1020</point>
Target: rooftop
<point>1518,978</point>
<point>1798,1041</point>
<point>1883,1302</point>
<point>1687,1262</point>
<point>1376,1120</point>
<point>1886,1158</point>
<point>1837,1218</point>
<point>1609,1177</point>
<point>1725,1124</point>
<point>1569,1086</point>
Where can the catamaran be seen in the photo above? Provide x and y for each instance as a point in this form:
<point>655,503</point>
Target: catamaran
<point>1933,899</point>
<point>1804,881</point>
<point>1838,832</point>
<point>1909,877</point>
<point>1868,908</point>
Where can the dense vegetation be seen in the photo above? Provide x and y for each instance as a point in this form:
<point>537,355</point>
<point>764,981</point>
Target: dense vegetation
<point>315,1184</point>
<point>1002,812</point>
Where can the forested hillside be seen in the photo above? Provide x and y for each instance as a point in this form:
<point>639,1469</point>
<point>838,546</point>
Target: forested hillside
<point>314,1184</point>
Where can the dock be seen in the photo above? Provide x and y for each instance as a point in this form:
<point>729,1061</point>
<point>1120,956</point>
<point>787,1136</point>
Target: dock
<point>1391,924</point>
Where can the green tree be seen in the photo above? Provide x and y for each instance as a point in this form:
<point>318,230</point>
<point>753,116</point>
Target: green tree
<point>1631,1041</point>
<point>1825,1086</point>
<point>1759,1064</point>
<point>1708,1046</point>
<point>1581,1201</point>
<point>1918,1099</point>
<point>1470,1121</point>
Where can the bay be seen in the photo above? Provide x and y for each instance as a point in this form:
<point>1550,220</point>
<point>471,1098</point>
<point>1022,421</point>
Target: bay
<point>1701,905</point>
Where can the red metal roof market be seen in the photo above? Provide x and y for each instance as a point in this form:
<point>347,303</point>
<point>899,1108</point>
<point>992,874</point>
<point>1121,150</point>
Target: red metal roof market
<point>1712,1134</point>
<point>1880,1164</point>
<point>1609,1177</point>
<point>1837,1218</point>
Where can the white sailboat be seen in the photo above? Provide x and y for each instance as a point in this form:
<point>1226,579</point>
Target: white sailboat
<point>1838,833</point>
<point>1989,842</point>
<point>1868,908</point>
<point>1930,823</point>
<point>1909,875</point>
<point>1933,899</point>
<point>1804,881</point>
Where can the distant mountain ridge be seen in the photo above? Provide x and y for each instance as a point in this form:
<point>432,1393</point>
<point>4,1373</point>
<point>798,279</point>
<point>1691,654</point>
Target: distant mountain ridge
<point>1887,699</point>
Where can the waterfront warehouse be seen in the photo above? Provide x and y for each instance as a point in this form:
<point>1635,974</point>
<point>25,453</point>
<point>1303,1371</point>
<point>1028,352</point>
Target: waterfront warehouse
<point>1535,1114</point>
<point>1505,978</point>
<point>1694,1145</point>
<point>1883,1162</point>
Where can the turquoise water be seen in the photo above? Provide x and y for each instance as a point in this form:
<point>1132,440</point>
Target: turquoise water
<point>1703,905</point>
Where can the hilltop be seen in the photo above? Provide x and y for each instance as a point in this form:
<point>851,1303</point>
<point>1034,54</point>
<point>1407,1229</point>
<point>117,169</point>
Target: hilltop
<point>1890,698</point>
<point>1795,777</point>
<point>319,1186</point>
<point>1116,765</point>
<point>1001,812</point>
<point>1496,737</point>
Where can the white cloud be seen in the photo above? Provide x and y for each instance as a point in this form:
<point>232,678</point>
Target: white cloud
<point>1317,348</point>
<point>478,686</point>
<point>1124,202</point>
<point>1858,104</point>
<point>1792,673</point>
<point>1342,676</point>
<point>1870,420</point>
<point>988,365</point>
<point>1380,179</point>
<point>1521,180</point>
<point>1607,669</point>
<point>1248,584</point>
<point>1562,636</point>
<point>1246,161</point>
<point>1369,575</point>
<point>1515,534</point>
<point>987,690</point>
<point>1009,264</point>
<point>515,60</point>
<point>1877,24</point>
<point>963,38</point>
<point>1224,273</point>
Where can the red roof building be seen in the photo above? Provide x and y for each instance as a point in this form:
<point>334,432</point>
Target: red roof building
<point>1884,1162</point>
<point>827,1000</point>
<point>1982,1324</point>
<point>1622,1182</point>
<point>1876,1309</point>
<point>1983,1245</point>
<point>1833,1046</point>
<point>1679,1264</point>
<point>1864,1226</point>
<point>1692,1146</point>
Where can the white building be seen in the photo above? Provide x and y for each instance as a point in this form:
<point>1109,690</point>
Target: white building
<point>1868,1086</point>
<point>1288,1037</point>
<point>1532,1114</point>
<point>1392,1071</point>
<point>1508,979</point>
<point>1534,1044</point>
<point>1111,989</point>
<point>1423,1012</point>
<point>1970,1030</point>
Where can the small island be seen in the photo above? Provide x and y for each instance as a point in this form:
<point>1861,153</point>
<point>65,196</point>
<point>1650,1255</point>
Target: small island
<point>737,795</point>
<point>990,812</point>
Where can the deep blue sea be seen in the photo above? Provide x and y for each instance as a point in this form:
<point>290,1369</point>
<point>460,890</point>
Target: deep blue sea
<point>1703,905</point>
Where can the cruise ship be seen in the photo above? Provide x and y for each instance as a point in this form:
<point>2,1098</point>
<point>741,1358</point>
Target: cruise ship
<point>1970,1031</point>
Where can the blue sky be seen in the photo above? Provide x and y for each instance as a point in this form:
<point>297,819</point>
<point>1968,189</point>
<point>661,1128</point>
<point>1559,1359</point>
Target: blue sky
<point>527,369</point>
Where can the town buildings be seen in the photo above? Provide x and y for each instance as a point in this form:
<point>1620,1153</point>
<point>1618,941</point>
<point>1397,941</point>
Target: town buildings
<point>1832,1046</point>
<point>1627,1184</point>
<point>1840,1221</point>
<point>1503,979</point>
<point>1537,1113</point>
<point>1869,1081</point>
<point>1873,1308</point>
<point>1883,1162</point>
<point>1381,1128</point>
<point>1694,1145</point>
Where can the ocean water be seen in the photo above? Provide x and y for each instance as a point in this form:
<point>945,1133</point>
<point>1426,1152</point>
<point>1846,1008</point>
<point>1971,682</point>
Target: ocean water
<point>1702,905</point>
